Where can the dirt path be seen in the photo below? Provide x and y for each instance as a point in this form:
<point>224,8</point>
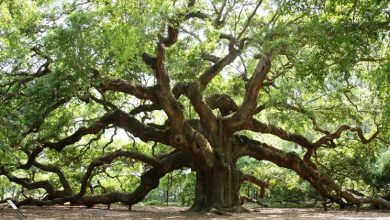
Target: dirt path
<point>156,212</point>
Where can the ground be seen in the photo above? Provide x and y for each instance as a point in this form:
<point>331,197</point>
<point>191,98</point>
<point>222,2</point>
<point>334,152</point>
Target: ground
<point>158,212</point>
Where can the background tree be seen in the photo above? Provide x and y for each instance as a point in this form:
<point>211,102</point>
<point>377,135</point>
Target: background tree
<point>90,87</point>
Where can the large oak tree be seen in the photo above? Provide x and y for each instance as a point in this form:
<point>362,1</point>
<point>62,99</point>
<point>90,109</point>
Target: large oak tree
<point>207,78</point>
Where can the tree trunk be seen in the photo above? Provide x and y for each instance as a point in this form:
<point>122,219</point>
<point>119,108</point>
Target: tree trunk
<point>219,186</point>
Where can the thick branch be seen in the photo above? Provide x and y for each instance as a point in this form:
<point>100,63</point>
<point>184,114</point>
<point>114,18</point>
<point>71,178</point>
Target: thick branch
<point>31,185</point>
<point>138,129</point>
<point>292,161</point>
<point>258,182</point>
<point>248,106</point>
<point>255,125</point>
<point>254,180</point>
<point>210,57</point>
<point>117,118</point>
<point>223,102</point>
<point>75,137</point>
<point>26,183</point>
<point>192,91</point>
<point>173,33</point>
<point>149,181</point>
<point>119,85</point>
<point>107,159</point>
<point>54,169</point>
<point>145,108</point>
<point>164,96</point>
<point>217,67</point>
<point>188,139</point>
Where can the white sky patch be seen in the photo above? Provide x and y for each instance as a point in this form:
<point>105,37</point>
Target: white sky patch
<point>121,135</point>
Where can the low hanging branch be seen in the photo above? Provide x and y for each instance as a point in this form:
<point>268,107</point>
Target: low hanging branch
<point>149,180</point>
<point>54,169</point>
<point>117,117</point>
<point>258,182</point>
<point>107,159</point>
<point>318,179</point>
<point>254,180</point>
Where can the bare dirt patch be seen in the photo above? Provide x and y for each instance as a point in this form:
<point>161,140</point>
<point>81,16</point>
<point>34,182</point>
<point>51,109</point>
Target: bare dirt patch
<point>157,212</point>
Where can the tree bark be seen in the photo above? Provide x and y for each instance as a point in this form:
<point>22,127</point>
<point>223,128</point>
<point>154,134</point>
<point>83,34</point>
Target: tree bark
<point>217,188</point>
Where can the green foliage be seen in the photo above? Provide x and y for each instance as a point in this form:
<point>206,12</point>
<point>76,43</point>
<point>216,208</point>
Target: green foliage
<point>377,175</point>
<point>180,187</point>
<point>330,58</point>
